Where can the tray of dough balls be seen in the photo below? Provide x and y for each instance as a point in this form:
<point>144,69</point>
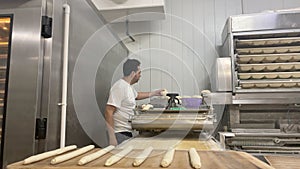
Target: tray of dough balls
<point>266,67</point>
<point>268,58</point>
<point>275,83</point>
<point>269,75</point>
<point>268,42</point>
<point>268,50</point>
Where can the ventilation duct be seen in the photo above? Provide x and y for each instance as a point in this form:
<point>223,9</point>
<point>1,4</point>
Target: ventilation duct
<point>133,10</point>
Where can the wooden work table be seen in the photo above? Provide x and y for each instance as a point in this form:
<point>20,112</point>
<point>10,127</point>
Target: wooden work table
<point>209,160</point>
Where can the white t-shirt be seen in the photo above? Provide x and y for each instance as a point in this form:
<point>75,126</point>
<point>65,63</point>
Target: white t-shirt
<point>122,96</point>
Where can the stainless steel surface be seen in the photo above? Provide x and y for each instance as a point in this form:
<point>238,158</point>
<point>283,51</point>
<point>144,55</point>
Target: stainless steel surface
<point>5,38</point>
<point>226,31</point>
<point>252,97</point>
<point>239,130</point>
<point>23,88</point>
<point>265,57</point>
<point>119,12</point>
<point>264,50</point>
<point>160,120</point>
<point>223,74</point>
<point>264,142</point>
<point>279,135</point>
<point>266,124</point>
<point>51,80</point>
<point>219,98</point>
<point>265,21</point>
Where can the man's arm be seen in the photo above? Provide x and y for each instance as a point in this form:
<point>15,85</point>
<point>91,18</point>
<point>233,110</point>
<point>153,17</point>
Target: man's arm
<point>144,95</point>
<point>109,112</point>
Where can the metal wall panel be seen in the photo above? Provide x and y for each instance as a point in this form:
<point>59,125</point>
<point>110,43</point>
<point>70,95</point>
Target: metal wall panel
<point>265,21</point>
<point>255,6</point>
<point>291,4</point>
<point>91,49</point>
<point>24,84</point>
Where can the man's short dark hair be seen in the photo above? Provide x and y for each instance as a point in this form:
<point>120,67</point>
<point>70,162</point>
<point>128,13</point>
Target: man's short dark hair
<point>130,65</point>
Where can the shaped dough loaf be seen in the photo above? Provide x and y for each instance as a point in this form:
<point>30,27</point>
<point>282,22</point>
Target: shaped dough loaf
<point>194,158</point>
<point>93,156</point>
<point>48,154</point>
<point>168,158</point>
<point>73,154</point>
<point>142,157</point>
<point>117,157</point>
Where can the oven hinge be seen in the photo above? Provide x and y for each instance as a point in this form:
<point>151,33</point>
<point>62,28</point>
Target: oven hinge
<point>40,128</point>
<point>46,27</point>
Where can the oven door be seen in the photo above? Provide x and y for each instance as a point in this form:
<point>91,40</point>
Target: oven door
<point>21,81</point>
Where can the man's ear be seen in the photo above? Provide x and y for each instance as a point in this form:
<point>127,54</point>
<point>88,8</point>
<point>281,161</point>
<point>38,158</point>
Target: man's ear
<point>132,74</point>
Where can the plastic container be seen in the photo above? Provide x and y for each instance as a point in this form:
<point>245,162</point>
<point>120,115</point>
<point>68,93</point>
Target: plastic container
<point>191,103</point>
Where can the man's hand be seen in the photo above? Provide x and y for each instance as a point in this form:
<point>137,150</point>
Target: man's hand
<point>144,95</point>
<point>160,92</point>
<point>113,141</point>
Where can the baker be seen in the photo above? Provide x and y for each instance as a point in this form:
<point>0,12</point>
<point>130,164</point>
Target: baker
<point>122,101</point>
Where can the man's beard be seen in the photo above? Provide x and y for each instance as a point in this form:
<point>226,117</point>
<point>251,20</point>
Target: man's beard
<point>134,81</point>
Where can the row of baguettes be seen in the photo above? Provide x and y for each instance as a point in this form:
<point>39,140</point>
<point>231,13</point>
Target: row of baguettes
<point>209,159</point>
<point>165,162</point>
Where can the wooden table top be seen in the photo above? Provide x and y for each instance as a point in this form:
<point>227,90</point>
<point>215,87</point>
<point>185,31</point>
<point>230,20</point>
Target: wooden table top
<point>209,160</point>
<point>284,162</point>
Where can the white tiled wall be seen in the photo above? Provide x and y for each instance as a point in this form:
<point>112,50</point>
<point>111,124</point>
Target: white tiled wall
<point>178,53</point>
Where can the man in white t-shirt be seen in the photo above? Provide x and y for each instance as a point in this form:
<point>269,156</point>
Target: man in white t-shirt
<point>121,102</point>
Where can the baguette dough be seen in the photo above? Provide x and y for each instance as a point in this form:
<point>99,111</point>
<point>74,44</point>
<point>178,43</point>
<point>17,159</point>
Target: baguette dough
<point>168,158</point>
<point>93,156</point>
<point>142,157</point>
<point>205,92</point>
<point>164,92</point>
<point>146,107</point>
<point>45,155</point>
<point>66,149</point>
<point>117,157</point>
<point>194,158</point>
<point>70,155</point>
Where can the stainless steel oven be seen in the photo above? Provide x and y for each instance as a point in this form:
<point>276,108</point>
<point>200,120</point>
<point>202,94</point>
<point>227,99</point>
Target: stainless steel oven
<point>5,41</point>
<point>263,50</point>
<point>21,64</point>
